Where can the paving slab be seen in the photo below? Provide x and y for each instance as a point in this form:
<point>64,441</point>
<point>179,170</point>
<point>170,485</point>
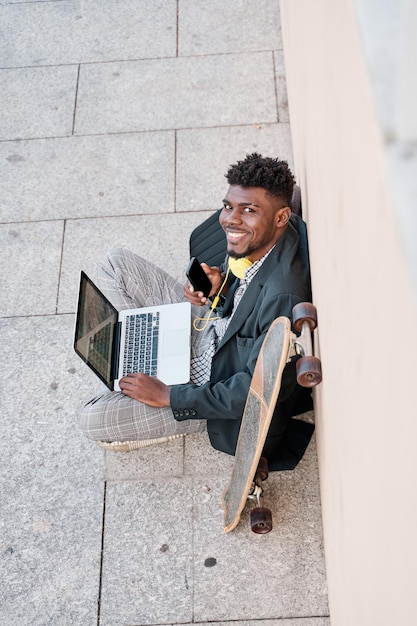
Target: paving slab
<point>233,26</point>
<point>87,176</point>
<point>180,93</point>
<point>51,488</point>
<point>297,621</point>
<point>208,573</point>
<point>27,1</point>
<point>147,566</point>
<point>165,459</point>
<point>200,179</point>
<point>285,567</point>
<point>53,33</point>
<point>201,459</point>
<point>164,242</point>
<point>307,621</point>
<point>37,102</point>
<point>192,455</point>
<point>29,280</point>
<point>44,382</point>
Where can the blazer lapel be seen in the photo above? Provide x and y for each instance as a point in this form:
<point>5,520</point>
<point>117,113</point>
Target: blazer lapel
<point>228,305</point>
<point>246,306</point>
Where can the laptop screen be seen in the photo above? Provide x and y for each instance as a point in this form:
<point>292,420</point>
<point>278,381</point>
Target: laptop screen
<point>95,330</point>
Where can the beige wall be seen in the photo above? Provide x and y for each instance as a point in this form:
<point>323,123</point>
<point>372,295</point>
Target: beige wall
<point>366,411</point>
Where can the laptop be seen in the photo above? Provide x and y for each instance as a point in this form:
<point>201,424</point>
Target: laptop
<point>153,340</point>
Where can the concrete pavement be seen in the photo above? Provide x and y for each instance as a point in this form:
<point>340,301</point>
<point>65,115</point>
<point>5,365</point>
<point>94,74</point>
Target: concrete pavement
<point>118,121</point>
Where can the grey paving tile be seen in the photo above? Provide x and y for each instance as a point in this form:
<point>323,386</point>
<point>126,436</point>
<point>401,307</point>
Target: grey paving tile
<point>300,621</point>
<point>193,455</point>
<point>285,568</point>
<point>27,1</point>
<point>297,621</point>
<point>87,176</point>
<point>51,486</point>
<point>163,241</point>
<point>147,571</point>
<point>46,33</point>
<point>281,86</point>
<point>234,26</point>
<point>201,459</point>
<point>37,102</point>
<point>44,382</point>
<point>30,267</point>
<point>180,93</point>
<point>204,155</point>
<point>165,459</point>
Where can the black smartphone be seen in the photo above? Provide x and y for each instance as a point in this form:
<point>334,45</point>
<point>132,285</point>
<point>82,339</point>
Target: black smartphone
<point>197,277</point>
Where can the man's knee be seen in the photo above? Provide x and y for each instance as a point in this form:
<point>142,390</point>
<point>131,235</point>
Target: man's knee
<point>114,258</point>
<point>90,419</point>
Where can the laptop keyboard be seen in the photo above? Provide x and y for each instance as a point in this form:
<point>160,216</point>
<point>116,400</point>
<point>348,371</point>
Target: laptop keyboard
<point>141,344</point>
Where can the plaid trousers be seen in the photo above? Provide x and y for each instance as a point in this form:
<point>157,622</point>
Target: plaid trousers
<point>130,281</point>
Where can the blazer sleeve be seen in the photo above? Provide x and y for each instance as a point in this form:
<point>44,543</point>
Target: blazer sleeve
<point>226,398</point>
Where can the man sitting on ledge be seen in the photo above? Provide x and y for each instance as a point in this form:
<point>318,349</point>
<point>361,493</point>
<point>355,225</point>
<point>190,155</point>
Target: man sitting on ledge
<point>268,274</point>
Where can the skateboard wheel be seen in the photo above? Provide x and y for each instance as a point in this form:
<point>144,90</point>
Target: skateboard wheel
<point>304,312</point>
<point>308,371</point>
<point>261,520</point>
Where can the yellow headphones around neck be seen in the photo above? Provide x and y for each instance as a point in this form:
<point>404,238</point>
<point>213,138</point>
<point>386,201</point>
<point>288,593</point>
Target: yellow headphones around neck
<point>238,267</point>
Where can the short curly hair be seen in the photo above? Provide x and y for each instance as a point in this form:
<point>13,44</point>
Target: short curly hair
<point>271,174</point>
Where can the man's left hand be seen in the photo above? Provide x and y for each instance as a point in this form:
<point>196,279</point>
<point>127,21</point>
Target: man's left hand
<point>146,389</point>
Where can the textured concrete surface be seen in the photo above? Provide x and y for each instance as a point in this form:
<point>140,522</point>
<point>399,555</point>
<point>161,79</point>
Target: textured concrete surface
<point>118,123</point>
<point>160,94</point>
<point>87,176</point>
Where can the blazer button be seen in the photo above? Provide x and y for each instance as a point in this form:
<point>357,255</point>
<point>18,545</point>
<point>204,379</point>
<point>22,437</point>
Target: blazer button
<point>193,412</point>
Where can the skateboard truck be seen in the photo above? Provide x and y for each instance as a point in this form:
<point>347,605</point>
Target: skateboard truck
<point>309,366</point>
<point>260,516</point>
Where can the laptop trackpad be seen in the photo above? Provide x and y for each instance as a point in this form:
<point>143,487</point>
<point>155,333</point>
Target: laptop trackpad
<point>173,342</point>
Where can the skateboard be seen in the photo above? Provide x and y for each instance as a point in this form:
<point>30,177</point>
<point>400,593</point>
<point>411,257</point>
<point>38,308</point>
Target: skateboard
<point>250,469</point>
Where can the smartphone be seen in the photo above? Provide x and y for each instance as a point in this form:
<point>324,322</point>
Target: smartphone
<point>197,277</point>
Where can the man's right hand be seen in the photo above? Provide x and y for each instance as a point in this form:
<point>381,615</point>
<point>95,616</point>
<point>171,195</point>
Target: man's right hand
<point>197,297</point>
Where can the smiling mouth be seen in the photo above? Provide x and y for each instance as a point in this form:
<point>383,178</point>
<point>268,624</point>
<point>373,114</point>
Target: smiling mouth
<point>234,236</point>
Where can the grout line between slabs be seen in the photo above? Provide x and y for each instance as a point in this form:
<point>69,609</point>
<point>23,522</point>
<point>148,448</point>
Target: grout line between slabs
<point>99,598</point>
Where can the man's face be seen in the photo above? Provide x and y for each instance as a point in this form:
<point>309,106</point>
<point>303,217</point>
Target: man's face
<point>252,220</point>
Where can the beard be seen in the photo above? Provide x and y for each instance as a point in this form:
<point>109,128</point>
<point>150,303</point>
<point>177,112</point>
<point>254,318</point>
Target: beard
<point>241,255</point>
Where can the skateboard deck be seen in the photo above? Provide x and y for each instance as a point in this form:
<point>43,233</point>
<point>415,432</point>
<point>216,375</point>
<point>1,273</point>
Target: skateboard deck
<point>259,408</point>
